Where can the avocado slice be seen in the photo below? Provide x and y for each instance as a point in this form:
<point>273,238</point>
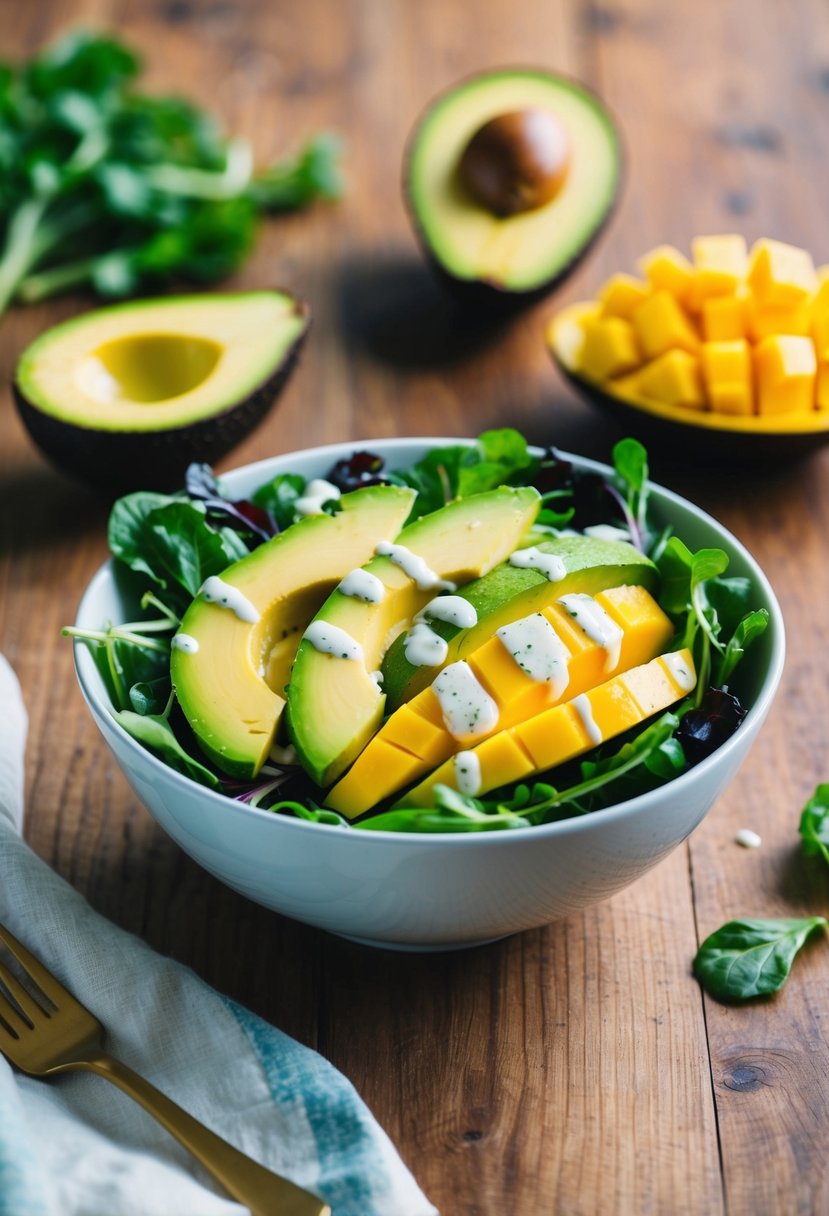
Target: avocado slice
<point>501,252</point>
<point>125,397</point>
<point>335,701</point>
<point>509,592</point>
<point>231,657</point>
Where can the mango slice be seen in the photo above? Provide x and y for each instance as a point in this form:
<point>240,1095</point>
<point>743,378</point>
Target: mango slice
<point>563,732</point>
<point>526,667</point>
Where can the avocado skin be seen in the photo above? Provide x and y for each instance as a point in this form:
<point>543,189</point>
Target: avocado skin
<point>679,440</point>
<point>117,462</point>
<point>482,295</point>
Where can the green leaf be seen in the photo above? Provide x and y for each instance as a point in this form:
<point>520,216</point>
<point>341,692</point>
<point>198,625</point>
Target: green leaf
<point>630,461</point>
<point>278,497</point>
<point>751,627</point>
<point>814,824</point>
<point>707,564</point>
<point>748,958</point>
<point>155,733</point>
<point>151,696</point>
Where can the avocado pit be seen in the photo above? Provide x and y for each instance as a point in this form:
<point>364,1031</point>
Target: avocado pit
<point>516,162</point>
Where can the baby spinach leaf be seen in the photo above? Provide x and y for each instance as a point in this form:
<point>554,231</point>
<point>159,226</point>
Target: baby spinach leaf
<point>751,627</point>
<point>150,696</point>
<point>155,733</point>
<point>814,824</point>
<point>126,530</point>
<point>748,958</point>
<point>278,497</point>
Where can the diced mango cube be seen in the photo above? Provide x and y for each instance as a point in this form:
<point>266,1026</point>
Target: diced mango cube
<point>666,269</point>
<point>417,727</point>
<point>647,630</point>
<point>764,320</point>
<point>674,379</point>
<point>719,266</point>
<point>612,708</point>
<point>358,790</point>
<point>727,372</point>
<point>780,275</point>
<point>553,737</point>
<point>724,318</point>
<point>819,315</point>
<point>502,759</point>
<point>650,687</point>
<point>822,387</point>
<point>621,294</point>
<point>502,677</point>
<point>609,348</point>
<point>661,325</point>
<point>785,368</point>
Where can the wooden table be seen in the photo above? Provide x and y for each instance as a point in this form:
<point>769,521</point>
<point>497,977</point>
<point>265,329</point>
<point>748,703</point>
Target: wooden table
<point>575,1069</point>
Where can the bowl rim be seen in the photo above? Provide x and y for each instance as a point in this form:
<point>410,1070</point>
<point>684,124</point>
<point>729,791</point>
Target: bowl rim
<point>90,681</point>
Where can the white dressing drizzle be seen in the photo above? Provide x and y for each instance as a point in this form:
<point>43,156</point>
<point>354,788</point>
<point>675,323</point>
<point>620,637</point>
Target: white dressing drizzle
<point>330,639</point>
<point>183,641</point>
<point>595,622</point>
<point>607,532</point>
<point>453,609</point>
<point>413,567</point>
<point>377,677</point>
<point>215,591</point>
<point>678,667</point>
<point>317,492</point>
<point>548,564</point>
<point>468,773</point>
<point>362,585</point>
<point>468,709</point>
<point>423,647</point>
<point>585,711</point>
<point>539,651</point>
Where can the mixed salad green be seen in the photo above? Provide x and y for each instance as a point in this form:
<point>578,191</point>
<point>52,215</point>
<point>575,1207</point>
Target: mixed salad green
<point>172,543</point>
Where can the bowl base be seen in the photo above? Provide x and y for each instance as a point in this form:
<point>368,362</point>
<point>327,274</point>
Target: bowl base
<point>422,947</point>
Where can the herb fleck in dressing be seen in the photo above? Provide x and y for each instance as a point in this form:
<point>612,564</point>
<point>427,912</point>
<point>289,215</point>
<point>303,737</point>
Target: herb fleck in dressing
<point>468,773</point>
<point>680,671</point>
<point>317,493</point>
<point>413,567</point>
<point>362,585</point>
<point>330,639</point>
<point>548,564</point>
<point>468,709</point>
<point>215,591</point>
<point>595,622</point>
<point>183,641</point>
<point>539,652</point>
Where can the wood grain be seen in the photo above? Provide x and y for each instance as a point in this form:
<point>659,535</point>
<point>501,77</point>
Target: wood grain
<point>572,1070</point>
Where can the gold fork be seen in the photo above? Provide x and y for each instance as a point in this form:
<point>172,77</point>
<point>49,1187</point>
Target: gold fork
<point>65,1036</point>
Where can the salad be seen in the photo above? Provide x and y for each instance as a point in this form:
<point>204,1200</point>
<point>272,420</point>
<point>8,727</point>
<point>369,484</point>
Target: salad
<point>169,547</point>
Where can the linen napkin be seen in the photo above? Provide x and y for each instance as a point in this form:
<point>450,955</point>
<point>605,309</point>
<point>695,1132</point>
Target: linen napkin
<point>78,1147</point>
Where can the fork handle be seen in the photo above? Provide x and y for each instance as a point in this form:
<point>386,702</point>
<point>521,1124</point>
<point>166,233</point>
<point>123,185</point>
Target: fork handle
<point>262,1191</point>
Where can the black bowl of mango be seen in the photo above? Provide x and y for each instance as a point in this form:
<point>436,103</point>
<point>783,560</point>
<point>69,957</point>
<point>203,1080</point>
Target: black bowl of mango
<point>725,353</point>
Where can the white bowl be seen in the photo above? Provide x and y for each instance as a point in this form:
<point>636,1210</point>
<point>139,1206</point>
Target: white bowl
<point>412,891</point>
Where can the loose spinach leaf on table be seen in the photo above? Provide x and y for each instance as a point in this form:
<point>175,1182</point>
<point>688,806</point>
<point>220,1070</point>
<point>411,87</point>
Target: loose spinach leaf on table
<point>814,824</point>
<point>748,958</point>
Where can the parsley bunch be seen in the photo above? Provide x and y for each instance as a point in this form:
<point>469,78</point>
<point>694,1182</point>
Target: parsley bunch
<point>105,187</point>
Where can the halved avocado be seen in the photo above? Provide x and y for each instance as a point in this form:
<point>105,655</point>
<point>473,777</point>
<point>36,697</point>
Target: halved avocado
<point>501,203</point>
<point>335,701</point>
<point>232,655</point>
<point>509,592</point>
<point>125,397</point>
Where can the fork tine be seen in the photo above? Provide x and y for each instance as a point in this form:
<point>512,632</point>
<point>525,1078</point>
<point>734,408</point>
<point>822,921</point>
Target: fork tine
<point>18,993</point>
<point>44,979</point>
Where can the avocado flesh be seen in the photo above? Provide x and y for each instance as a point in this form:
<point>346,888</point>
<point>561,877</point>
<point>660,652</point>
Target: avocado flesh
<point>520,253</point>
<point>230,687</point>
<point>509,593</point>
<point>334,705</point>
